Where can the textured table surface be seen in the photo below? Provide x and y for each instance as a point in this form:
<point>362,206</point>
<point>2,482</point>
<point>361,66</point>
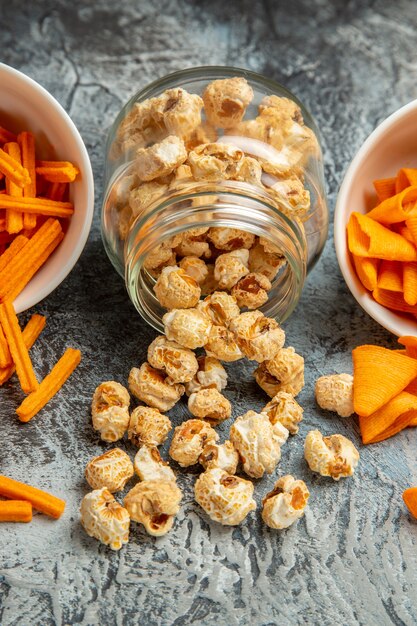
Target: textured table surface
<point>353,558</point>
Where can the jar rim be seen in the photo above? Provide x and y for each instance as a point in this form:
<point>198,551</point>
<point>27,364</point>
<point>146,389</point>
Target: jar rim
<point>256,220</point>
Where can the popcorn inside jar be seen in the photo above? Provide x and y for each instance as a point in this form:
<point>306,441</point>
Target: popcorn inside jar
<point>214,183</point>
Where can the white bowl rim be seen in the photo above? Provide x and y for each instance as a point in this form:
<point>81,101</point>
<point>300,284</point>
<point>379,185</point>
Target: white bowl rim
<point>85,167</point>
<point>386,318</point>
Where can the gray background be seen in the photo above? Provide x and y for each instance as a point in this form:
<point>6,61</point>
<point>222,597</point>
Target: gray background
<point>353,558</point>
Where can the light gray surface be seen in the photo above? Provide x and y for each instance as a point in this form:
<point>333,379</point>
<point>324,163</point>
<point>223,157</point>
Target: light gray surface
<point>353,558</point>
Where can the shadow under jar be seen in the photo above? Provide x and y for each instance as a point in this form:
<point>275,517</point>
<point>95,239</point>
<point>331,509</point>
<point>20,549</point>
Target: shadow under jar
<point>206,149</point>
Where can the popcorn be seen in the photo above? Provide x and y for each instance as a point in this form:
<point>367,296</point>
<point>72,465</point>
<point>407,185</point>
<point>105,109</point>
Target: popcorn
<point>257,443</point>
<point>203,134</point>
<point>193,243</point>
<point>281,107</point>
<point>226,100</point>
<point>263,128</point>
<point>181,175</point>
<point>111,470</point>
<point>226,499</point>
<point>230,238</point>
<point>148,427</point>
<point>249,171</point>
<point>302,138</point>
<point>154,503</point>
<point>286,503</point>
<point>181,112</point>
<point>223,456</point>
<point>170,262</point>
<point>220,307</point>
<point>149,465</point>
<point>195,267</point>
<point>176,290</point>
<point>252,291</point>
<point>154,388</point>
<point>333,456</point>
<point>283,408</point>
<point>231,267</point>
<point>222,345</point>
<point>214,162</point>
<point>110,410</point>
<point>179,363</point>
<point>125,221</point>
<point>281,433</point>
<point>290,196</point>
<point>261,262</point>
<point>174,112</point>
<point>335,393</point>
<point>141,197</point>
<point>189,440</point>
<point>141,126</point>
<point>160,159</point>
<point>209,404</point>
<point>288,368</point>
<point>268,246</point>
<point>162,253</point>
<point>209,284</point>
<point>266,381</point>
<point>283,162</point>
<point>210,375</point>
<point>258,337</point>
<point>188,327</point>
<point>104,519</point>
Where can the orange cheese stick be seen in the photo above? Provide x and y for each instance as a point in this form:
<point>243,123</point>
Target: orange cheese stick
<point>26,263</point>
<point>2,224</point>
<point>6,237</point>
<point>33,267</point>
<point>57,191</point>
<point>13,170</point>
<point>15,511</point>
<point>17,347</point>
<point>5,356</point>
<point>26,142</point>
<point>57,171</point>
<point>14,219</point>
<point>6,135</point>
<point>30,333</point>
<point>17,244</point>
<point>40,500</point>
<point>50,385</point>
<point>42,206</point>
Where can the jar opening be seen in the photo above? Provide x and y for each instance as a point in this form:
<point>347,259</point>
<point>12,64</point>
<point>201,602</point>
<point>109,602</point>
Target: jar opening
<point>154,236</point>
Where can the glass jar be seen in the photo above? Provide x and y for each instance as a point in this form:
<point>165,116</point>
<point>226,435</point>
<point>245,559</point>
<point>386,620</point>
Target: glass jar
<point>187,155</point>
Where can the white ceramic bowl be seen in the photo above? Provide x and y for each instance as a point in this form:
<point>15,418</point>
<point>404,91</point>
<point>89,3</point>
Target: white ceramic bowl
<point>392,145</point>
<point>25,105</point>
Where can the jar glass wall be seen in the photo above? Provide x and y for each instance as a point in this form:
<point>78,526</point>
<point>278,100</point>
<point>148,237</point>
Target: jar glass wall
<point>214,148</point>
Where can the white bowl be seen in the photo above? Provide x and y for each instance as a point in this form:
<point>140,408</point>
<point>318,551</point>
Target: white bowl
<point>392,145</point>
<point>25,105</point>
